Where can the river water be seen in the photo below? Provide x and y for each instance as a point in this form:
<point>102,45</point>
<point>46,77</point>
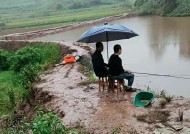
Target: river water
<point>162,47</point>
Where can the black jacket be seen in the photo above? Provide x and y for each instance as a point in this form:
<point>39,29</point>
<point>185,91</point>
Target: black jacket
<point>115,65</point>
<point>98,64</point>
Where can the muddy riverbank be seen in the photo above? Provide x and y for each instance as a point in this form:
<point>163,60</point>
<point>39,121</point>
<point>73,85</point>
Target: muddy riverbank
<point>44,32</point>
<point>84,107</point>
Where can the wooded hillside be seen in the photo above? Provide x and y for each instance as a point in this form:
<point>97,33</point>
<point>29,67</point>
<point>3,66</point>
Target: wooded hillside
<point>163,7</point>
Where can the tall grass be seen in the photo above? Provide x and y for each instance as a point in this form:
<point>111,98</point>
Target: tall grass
<point>50,55</point>
<point>8,80</point>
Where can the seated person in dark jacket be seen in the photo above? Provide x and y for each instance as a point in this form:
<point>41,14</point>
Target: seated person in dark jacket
<point>98,61</point>
<point>116,68</point>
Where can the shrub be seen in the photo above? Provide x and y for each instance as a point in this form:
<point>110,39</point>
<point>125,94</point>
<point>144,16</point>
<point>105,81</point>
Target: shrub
<point>11,95</point>
<point>43,123</point>
<point>28,74</point>
<point>4,64</point>
<point>25,56</point>
<point>48,123</point>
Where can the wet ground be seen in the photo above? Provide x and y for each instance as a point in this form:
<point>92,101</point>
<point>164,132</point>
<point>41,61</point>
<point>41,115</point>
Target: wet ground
<point>85,106</point>
<point>106,113</point>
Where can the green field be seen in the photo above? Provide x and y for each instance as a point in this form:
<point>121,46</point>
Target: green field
<point>32,14</point>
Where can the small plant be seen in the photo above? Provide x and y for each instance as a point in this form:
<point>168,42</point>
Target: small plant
<point>47,123</point>
<point>116,130</point>
<point>26,96</point>
<point>169,98</point>
<point>28,74</point>
<point>163,94</point>
<point>148,89</point>
<point>11,95</point>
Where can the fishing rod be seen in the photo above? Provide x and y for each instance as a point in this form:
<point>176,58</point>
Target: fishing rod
<point>163,75</point>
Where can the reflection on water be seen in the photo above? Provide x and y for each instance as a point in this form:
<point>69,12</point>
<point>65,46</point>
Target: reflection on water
<point>169,31</point>
<point>163,47</point>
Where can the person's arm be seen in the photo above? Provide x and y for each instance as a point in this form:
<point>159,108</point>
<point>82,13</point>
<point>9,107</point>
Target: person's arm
<point>102,62</point>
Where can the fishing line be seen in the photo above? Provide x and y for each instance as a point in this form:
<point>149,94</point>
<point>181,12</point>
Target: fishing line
<point>142,75</point>
<point>163,75</point>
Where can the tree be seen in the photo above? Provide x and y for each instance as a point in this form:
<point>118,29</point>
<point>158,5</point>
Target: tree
<point>168,6</point>
<point>59,7</point>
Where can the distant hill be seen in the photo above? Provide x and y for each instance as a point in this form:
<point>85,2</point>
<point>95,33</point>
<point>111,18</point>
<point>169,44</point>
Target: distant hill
<point>163,7</point>
<point>54,3</point>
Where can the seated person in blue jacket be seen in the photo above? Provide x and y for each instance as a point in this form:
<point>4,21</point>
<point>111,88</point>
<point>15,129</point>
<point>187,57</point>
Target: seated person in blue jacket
<point>100,68</point>
<point>116,68</point>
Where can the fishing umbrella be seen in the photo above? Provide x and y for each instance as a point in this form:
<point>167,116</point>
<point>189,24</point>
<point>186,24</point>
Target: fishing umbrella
<point>106,33</point>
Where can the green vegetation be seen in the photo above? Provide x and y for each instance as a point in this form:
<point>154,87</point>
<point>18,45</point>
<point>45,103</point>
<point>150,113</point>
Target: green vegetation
<point>163,7</point>
<point>44,122</point>
<point>164,95</point>
<point>7,83</point>
<point>47,123</point>
<point>117,130</point>
<point>20,69</point>
<point>37,14</point>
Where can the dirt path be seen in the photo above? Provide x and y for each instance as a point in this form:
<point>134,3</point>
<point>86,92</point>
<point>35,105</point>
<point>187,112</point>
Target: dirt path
<point>84,105</point>
<point>102,113</point>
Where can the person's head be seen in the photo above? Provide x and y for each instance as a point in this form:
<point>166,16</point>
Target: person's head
<point>99,46</point>
<point>117,49</point>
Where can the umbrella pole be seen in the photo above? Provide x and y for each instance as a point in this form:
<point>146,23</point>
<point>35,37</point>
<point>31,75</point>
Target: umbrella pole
<point>107,53</point>
<point>107,46</point>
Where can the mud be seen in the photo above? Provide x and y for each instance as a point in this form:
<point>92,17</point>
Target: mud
<point>86,108</point>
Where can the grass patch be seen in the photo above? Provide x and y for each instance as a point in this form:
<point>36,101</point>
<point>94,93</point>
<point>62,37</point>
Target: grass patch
<point>23,69</point>
<point>51,54</point>
<point>7,82</point>
<point>164,95</point>
<point>161,94</point>
<point>43,122</point>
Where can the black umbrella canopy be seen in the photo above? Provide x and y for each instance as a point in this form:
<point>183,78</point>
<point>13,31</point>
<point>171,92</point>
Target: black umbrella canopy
<point>106,33</point>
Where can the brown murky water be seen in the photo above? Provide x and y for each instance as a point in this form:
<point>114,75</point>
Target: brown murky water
<point>163,47</point>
